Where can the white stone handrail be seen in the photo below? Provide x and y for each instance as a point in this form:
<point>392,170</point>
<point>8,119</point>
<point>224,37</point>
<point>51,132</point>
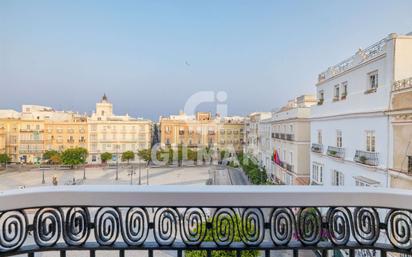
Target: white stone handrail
<point>207,196</point>
<point>361,56</point>
<point>402,84</point>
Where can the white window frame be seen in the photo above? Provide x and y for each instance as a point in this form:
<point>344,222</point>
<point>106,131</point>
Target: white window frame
<point>338,178</point>
<point>339,139</point>
<point>317,173</point>
<point>336,93</point>
<point>370,141</point>
<point>373,83</point>
<point>319,136</point>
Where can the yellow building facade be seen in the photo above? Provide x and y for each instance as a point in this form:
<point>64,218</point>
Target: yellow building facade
<point>202,130</point>
<point>2,140</point>
<point>66,134</point>
<point>192,131</point>
<point>231,133</point>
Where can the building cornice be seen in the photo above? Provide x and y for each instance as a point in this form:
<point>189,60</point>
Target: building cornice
<point>351,115</point>
<point>351,69</point>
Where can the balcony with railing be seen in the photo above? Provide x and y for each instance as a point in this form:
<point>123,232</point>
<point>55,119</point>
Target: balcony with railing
<point>402,84</point>
<point>366,158</point>
<point>360,57</point>
<point>337,152</point>
<point>317,148</point>
<point>290,137</point>
<point>64,220</point>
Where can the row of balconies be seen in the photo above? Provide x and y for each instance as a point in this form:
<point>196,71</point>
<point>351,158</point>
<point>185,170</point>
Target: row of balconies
<point>363,157</point>
<point>283,136</point>
<point>286,166</point>
<point>31,130</point>
<point>70,131</point>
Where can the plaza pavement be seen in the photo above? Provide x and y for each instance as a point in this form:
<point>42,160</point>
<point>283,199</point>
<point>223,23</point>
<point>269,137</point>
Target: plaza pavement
<point>101,176</point>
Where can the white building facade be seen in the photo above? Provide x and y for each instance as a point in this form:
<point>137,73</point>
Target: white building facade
<point>116,134</point>
<point>350,128</point>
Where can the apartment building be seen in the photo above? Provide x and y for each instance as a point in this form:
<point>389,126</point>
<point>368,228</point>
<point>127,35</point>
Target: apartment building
<point>401,119</point>
<point>65,132</point>
<point>285,142</point>
<point>10,122</point>
<point>2,140</point>
<point>350,128</point>
<point>231,133</point>
<point>199,130</point>
<point>116,134</point>
<point>252,138</point>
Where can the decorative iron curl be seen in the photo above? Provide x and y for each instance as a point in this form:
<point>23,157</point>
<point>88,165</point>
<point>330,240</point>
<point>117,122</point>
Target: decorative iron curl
<point>309,225</point>
<point>107,226</point>
<point>135,226</point>
<point>366,225</point>
<point>282,225</point>
<point>398,230</point>
<point>77,226</point>
<point>166,227</point>
<point>253,226</point>
<point>224,226</point>
<point>193,226</point>
<point>339,225</point>
<point>47,226</point>
<point>13,227</point>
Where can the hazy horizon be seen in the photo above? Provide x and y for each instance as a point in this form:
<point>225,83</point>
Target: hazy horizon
<point>150,57</point>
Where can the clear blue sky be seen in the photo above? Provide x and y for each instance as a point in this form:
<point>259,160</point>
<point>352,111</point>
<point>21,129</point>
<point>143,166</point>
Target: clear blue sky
<point>150,56</point>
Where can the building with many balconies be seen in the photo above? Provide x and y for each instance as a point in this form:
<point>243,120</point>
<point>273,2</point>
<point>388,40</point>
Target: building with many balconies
<point>350,128</point>
<point>192,131</point>
<point>116,134</point>
<point>230,133</point>
<point>289,140</point>
<point>252,138</point>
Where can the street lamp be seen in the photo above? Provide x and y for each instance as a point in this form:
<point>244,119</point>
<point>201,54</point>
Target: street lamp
<point>147,174</point>
<point>140,173</point>
<point>131,175</point>
<point>117,162</point>
<point>84,171</point>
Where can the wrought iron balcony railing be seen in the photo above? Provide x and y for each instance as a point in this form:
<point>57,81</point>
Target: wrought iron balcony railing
<point>337,152</point>
<point>290,137</point>
<point>265,218</point>
<point>367,158</point>
<point>317,148</point>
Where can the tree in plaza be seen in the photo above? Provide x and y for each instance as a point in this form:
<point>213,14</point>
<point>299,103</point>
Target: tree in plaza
<point>127,156</point>
<point>105,157</point>
<point>48,155</point>
<point>55,159</point>
<point>192,155</point>
<point>179,155</point>
<point>145,154</point>
<point>74,156</point>
<point>4,158</point>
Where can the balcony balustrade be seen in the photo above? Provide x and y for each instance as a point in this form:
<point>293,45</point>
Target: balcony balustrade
<point>282,136</point>
<point>65,219</point>
<point>290,137</point>
<point>317,148</point>
<point>402,84</point>
<point>367,158</point>
<point>337,152</point>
